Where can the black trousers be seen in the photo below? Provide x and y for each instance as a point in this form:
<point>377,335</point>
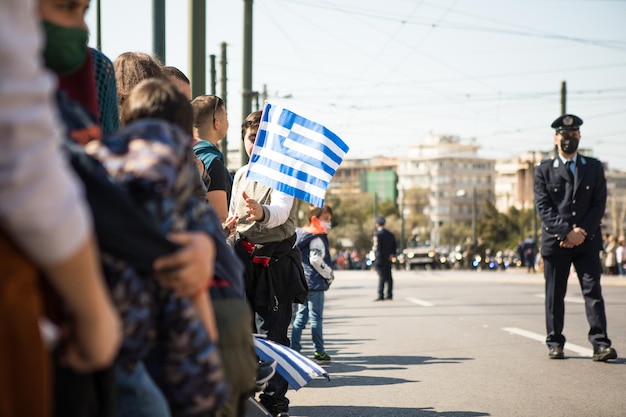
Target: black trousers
<point>84,395</point>
<point>556,273</point>
<point>274,324</point>
<point>384,277</point>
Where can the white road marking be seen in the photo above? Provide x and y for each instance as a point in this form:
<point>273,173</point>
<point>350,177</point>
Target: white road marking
<point>582,351</point>
<point>419,302</point>
<point>567,299</point>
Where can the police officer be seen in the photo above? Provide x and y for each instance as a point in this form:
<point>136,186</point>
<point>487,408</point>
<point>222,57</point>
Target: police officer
<point>385,250</point>
<point>570,196</point>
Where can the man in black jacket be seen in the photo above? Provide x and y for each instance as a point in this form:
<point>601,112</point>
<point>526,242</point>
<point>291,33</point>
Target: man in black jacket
<point>385,251</point>
<point>570,196</point>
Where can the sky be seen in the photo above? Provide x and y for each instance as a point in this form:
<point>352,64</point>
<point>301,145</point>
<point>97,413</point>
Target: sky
<point>383,75</point>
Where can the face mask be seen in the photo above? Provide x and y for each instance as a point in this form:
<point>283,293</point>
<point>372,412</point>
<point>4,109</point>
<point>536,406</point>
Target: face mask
<point>66,48</point>
<point>326,225</point>
<point>569,144</point>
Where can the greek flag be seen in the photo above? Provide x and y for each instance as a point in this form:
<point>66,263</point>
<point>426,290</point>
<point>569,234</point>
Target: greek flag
<point>297,369</point>
<point>295,155</point>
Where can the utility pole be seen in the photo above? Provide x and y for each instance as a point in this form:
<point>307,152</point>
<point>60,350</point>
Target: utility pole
<point>197,46</point>
<point>474,215</point>
<point>158,29</point>
<point>402,238</point>
<point>98,27</point>
<point>246,101</point>
<point>224,94</point>
<point>213,70</point>
<point>563,97</point>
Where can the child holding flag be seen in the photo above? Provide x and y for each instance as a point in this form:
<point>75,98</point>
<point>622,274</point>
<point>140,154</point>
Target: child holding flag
<point>265,241</point>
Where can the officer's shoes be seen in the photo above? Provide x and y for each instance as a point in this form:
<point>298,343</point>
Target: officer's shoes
<point>556,352</point>
<point>604,353</point>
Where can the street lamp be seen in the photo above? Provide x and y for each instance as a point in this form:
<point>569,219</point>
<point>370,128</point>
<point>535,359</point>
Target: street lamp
<point>402,239</point>
<point>474,209</point>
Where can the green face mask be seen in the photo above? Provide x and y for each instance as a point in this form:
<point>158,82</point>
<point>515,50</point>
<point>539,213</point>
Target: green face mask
<point>66,48</point>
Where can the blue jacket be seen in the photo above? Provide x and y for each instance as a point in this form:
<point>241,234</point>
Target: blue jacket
<point>563,202</point>
<point>315,281</point>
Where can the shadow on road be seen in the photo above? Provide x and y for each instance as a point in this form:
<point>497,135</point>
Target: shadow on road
<point>356,411</point>
<point>354,364</point>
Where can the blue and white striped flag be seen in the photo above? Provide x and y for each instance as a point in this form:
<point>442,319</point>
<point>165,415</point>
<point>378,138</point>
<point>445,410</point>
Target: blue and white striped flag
<point>295,155</point>
<point>296,368</point>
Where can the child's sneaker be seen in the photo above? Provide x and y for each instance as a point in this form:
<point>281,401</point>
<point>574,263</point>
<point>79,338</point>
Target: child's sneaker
<point>321,357</point>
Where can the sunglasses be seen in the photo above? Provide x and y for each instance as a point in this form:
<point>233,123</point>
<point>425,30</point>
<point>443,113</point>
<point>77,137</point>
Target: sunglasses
<point>218,103</point>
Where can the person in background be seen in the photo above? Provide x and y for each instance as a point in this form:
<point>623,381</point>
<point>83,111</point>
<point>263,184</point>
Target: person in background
<point>210,125</point>
<point>179,79</point>
<point>610,257</point>
<point>161,153</point>
<point>265,241</point>
<point>130,69</point>
<point>620,255</point>
<point>159,99</point>
<point>234,315</point>
<point>313,243</point>
<point>520,251</point>
<point>66,54</point>
<point>570,196</point>
<point>529,249</point>
<point>57,242</point>
<point>385,251</point>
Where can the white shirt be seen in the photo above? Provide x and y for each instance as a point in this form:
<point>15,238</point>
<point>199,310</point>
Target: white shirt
<point>279,209</point>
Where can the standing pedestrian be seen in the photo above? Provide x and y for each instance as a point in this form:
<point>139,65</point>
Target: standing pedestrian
<point>385,251</point>
<point>610,257</point>
<point>210,125</point>
<point>570,196</point>
<point>313,243</point>
<point>529,248</point>
<point>620,255</point>
<point>265,241</point>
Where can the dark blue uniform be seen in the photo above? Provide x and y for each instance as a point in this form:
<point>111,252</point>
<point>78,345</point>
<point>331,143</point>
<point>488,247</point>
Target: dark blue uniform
<point>565,201</point>
<point>385,249</point>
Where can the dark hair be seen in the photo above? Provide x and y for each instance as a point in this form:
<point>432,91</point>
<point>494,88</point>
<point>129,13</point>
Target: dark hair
<point>175,72</point>
<point>253,120</point>
<point>158,99</point>
<point>131,68</point>
<point>204,109</point>
<point>319,211</point>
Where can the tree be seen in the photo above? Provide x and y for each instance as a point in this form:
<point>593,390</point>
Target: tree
<point>352,219</point>
<point>500,231</point>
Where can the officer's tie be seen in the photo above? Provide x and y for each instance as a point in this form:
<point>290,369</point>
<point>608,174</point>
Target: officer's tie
<point>568,167</point>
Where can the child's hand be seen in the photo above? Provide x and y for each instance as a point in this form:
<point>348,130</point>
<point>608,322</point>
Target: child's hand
<point>253,208</point>
<point>230,225</point>
<point>190,269</point>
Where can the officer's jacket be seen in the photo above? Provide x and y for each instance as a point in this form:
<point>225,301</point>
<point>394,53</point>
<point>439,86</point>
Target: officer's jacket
<point>564,203</point>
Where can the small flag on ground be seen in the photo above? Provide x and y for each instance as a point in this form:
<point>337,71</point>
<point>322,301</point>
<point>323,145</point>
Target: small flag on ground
<point>295,155</point>
<point>296,368</point>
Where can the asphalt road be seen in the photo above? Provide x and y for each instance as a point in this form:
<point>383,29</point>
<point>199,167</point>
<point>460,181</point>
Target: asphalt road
<point>457,344</point>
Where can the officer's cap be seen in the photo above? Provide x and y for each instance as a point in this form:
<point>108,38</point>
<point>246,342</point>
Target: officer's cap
<point>567,122</point>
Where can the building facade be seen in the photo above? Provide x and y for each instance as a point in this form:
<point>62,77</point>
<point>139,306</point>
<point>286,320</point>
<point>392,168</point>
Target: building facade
<point>457,181</point>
